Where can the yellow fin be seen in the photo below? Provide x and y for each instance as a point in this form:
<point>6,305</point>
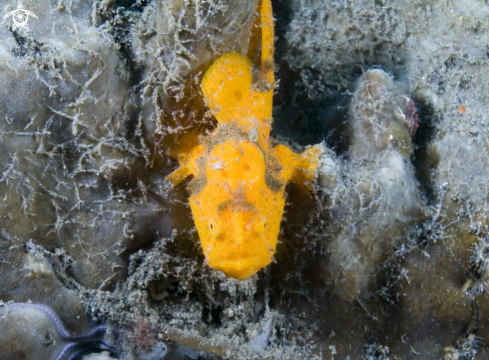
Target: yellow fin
<point>227,86</point>
<point>299,168</point>
<point>187,151</point>
<point>308,165</point>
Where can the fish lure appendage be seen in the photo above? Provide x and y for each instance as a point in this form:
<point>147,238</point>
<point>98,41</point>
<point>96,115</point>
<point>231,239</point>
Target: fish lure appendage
<point>237,194</point>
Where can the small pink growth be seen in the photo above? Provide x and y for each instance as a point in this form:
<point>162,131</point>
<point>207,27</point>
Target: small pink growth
<point>410,116</point>
<point>55,262</point>
<point>142,333</point>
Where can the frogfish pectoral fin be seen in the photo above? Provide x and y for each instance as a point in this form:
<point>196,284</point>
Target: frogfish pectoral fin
<point>299,168</point>
<point>189,165</point>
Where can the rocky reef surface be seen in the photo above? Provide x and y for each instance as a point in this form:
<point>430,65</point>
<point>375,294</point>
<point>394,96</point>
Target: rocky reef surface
<point>388,258</point>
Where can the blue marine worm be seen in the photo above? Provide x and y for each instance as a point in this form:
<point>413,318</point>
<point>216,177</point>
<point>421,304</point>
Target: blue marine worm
<point>33,331</point>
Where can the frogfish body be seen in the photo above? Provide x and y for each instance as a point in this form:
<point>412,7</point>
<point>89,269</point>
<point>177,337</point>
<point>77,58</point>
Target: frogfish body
<point>237,194</point>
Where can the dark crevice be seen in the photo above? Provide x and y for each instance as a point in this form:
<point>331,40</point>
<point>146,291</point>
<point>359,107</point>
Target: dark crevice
<point>424,160</point>
<point>26,45</point>
<point>212,315</point>
<point>303,116</point>
<point>299,115</point>
<point>282,12</point>
<point>133,4</point>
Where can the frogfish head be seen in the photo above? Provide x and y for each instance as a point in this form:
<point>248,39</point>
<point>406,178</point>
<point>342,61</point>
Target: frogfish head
<point>236,214</point>
<point>238,242</point>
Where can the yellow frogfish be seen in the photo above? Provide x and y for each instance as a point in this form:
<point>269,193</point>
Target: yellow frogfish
<point>237,194</point>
